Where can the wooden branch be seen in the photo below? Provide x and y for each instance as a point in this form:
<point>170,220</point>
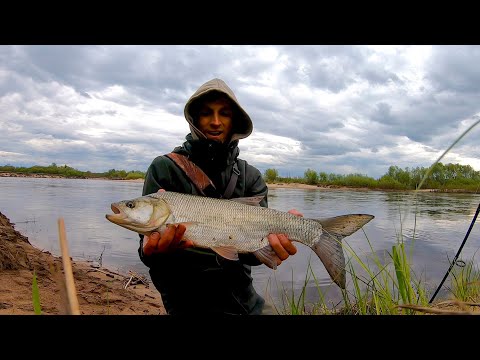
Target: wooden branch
<point>436,311</point>
<point>110,273</point>
<point>458,303</point>
<point>128,283</point>
<point>73,308</point>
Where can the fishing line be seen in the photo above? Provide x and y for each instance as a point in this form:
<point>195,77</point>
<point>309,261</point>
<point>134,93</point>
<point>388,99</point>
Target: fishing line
<point>458,253</point>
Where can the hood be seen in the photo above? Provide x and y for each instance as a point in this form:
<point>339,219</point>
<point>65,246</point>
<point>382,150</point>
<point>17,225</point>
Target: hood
<point>243,125</point>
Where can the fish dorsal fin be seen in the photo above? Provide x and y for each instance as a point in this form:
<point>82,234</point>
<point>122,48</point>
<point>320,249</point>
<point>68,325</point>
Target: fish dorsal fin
<point>228,252</point>
<point>252,200</point>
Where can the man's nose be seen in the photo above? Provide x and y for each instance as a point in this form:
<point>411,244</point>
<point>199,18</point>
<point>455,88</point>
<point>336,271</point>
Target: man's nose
<point>215,119</point>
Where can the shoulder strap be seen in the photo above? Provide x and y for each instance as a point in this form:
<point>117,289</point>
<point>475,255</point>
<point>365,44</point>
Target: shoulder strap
<point>233,181</point>
<point>200,179</point>
<point>196,175</point>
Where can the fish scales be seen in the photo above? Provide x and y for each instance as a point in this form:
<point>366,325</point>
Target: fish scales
<point>229,223</point>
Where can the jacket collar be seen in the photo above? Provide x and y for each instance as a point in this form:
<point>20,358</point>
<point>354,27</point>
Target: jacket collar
<point>209,153</point>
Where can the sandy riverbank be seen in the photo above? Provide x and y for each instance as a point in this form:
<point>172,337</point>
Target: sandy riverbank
<point>99,290</point>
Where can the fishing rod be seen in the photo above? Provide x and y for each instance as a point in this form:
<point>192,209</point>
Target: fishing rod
<point>458,253</point>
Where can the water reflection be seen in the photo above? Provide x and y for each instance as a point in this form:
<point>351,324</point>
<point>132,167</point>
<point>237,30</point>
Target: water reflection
<point>434,204</point>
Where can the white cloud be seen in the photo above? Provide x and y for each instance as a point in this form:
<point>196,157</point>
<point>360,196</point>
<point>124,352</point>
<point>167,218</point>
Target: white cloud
<point>345,109</point>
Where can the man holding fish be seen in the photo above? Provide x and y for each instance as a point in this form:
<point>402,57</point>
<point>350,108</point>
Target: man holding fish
<point>202,281</point>
<point>203,217</point>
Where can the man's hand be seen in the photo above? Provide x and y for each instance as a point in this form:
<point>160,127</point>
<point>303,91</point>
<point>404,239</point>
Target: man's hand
<point>282,245</point>
<point>167,241</point>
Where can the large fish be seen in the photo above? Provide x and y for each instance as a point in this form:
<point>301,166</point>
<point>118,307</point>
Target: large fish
<point>234,226</point>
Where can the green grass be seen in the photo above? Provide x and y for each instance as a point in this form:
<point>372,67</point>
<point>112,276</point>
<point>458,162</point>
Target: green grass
<point>465,282</point>
<point>292,304</point>
<point>378,287</point>
<point>108,303</point>
<point>387,283</point>
<point>36,296</point>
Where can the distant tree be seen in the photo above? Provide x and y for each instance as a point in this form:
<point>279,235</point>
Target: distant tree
<point>322,177</point>
<point>311,177</point>
<point>271,175</point>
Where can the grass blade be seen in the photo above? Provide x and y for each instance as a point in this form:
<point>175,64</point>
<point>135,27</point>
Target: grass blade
<point>36,296</point>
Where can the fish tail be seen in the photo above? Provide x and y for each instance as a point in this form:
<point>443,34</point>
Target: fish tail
<point>328,246</point>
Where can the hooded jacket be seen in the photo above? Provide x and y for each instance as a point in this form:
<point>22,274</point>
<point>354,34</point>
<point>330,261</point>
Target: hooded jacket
<point>198,280</point>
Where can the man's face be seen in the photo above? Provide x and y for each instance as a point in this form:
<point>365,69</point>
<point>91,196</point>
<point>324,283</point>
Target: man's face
<point>215,120</point>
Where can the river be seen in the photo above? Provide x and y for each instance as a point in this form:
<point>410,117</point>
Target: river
<point>434,223</point>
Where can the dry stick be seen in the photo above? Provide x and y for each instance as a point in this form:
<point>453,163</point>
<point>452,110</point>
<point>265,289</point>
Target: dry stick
<point>67,266</point>
<point>435,310</point>
<point>456,302</point>
<point>109,273</point>
<point>128,283</point>
<point>139,277</point>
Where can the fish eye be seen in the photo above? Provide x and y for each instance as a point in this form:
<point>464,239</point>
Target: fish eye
<point>130,204</point>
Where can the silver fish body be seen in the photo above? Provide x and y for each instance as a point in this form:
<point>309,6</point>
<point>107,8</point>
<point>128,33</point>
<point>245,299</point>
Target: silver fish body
<point>235,226</point>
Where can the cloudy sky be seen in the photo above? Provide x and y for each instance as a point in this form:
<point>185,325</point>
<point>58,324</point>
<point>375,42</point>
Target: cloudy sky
<point>335,109</point>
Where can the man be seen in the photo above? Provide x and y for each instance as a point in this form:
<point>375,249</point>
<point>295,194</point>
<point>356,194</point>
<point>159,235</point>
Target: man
<point>192,280</point>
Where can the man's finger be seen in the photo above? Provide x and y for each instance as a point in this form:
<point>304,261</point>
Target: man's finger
<point>150,243</point>
<point>277,246</point>
<point>179,231</point>
<point>184,244</point>
<point>166,238</point>
<point>287,244</point>
<point>295,212</point>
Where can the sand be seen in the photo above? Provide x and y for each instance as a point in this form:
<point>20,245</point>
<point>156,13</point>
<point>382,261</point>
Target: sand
<point>99,291</point>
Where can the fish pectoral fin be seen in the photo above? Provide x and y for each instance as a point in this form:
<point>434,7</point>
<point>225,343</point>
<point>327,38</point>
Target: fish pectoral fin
<point>228,252</point>
<point>267,256</point>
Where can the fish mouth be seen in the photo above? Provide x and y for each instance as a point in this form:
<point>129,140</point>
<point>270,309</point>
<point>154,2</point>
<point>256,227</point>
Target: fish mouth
<point>118,215</point>
<point>115,209</point>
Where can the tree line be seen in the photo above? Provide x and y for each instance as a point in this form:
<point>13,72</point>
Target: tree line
<point>441,177</point>
<point>69,172</point>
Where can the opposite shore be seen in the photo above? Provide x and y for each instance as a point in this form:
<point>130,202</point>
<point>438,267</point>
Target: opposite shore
<point>278,185</point>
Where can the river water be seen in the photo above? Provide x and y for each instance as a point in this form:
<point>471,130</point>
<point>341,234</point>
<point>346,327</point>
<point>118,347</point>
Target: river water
<point>435,224</point>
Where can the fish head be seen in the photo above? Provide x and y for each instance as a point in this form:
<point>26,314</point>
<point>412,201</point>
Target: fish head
<point>142,215</point>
